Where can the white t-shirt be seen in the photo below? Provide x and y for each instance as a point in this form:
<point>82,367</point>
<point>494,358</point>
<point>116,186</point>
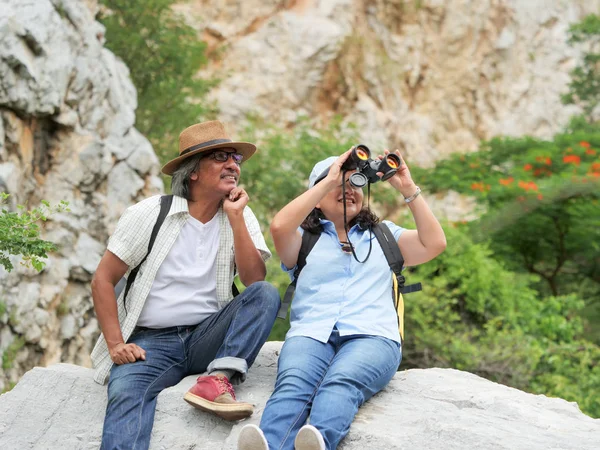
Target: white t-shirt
<point>184,291</point>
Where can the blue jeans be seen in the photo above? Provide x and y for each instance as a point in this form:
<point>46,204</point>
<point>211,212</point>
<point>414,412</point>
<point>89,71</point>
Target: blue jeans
<point>327,382</point>
<point>229,339</point>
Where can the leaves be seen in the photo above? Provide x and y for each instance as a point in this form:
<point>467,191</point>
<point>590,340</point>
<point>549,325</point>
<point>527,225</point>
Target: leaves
<point>164,56</point>
<point>19,234</point>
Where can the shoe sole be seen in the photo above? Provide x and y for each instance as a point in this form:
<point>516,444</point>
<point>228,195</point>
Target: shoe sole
<point>309,438</point>
<point>226,411</point>
<point>251,439</point>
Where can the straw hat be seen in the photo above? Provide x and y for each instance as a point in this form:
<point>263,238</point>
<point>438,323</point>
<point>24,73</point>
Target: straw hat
<point>203,137</point>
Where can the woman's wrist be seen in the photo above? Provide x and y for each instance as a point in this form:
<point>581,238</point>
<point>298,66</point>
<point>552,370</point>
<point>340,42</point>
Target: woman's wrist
<point>408,191</point>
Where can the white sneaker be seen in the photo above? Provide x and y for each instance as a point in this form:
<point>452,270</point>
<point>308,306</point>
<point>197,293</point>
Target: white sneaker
<point>252,438</point>
<point>309,438</point>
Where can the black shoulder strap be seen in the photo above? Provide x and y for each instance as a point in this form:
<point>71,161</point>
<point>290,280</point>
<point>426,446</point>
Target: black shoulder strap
<point>165,206</point>
<point>308,242</point>
<point>394,256</point>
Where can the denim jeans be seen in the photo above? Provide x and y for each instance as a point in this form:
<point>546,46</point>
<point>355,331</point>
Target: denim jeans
<point>327,382</point>
<point>229,339</point>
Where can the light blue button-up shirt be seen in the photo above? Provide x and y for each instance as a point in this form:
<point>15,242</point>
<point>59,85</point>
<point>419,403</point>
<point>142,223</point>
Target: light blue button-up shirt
<point>334,290</point>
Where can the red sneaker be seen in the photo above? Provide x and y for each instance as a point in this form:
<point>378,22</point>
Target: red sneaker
<point>215,394</point>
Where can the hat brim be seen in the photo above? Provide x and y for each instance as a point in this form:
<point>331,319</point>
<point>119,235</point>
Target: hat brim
<point>245,148</point>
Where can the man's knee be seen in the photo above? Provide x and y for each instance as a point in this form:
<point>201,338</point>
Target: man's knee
<point>266,294</point>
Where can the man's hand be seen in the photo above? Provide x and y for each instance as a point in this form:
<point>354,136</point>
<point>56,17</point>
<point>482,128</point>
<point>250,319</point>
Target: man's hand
<point>235,202</point>
<point>126,353</point>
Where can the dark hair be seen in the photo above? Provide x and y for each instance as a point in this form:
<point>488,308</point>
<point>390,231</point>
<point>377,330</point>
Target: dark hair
<point>180,181</point>
<point>365,219</point>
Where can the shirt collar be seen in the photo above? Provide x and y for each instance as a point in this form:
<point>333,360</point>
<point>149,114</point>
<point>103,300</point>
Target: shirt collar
<point>329,226</point>
<point>180,205</point>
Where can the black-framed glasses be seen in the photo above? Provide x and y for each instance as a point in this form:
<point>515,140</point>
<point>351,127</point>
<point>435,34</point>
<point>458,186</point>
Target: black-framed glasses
<point>223,156</point>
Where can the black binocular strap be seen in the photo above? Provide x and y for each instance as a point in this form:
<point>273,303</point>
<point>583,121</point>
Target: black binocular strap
<point>394,257</point>
<point>308,242</point>
<point>165,206</point>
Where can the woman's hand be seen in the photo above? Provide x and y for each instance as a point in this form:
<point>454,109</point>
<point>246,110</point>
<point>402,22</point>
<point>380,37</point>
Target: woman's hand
<point>401,180</point>
<point>333,178</point>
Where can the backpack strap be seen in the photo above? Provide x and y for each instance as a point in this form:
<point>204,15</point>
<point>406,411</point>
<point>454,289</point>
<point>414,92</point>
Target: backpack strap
<point>392,253</point>
<point>394,257</point>
<point>308,242</point>
<point>165,206</point>
<point>234,289</point>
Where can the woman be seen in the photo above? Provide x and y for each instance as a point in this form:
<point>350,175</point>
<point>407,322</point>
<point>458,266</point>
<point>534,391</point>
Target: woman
<point>343,345</point>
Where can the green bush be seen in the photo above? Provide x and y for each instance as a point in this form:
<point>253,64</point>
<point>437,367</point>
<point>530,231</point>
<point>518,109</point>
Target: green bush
<point>19,234</point>
<point>476,315</point>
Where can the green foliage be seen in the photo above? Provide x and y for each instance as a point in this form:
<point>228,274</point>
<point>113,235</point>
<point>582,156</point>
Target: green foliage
<point>539,201</point>
<point>164,56</point>
<point>9,355</point>
<point>19,234</point>
<point>584,88</point>
<point>475,315</point>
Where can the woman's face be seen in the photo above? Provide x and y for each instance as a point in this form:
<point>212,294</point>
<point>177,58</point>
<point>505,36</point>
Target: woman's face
<point>332,204</point>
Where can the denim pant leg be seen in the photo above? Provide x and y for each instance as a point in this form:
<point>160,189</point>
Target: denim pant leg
<point>231,338</point>
<point>362,366</point>
<point>133,388</point>
<point>302,365</point>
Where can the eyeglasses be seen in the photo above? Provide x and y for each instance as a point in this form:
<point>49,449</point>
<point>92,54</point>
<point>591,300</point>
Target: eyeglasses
<point>223,156</point>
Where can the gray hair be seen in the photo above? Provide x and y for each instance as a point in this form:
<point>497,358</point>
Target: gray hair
<point>180,181</point>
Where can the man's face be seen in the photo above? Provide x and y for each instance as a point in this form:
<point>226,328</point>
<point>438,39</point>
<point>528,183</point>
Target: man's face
<point>216,175</point>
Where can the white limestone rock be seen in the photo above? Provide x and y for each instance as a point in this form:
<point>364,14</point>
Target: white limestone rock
<point>419,409</point>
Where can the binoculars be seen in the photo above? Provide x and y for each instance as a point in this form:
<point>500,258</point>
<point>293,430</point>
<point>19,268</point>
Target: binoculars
<point>367,168</point>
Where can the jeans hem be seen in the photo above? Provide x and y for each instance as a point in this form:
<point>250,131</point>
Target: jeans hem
<point>230,363</point>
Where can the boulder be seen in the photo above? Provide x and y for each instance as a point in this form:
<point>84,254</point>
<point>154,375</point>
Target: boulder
<point>61,407</point>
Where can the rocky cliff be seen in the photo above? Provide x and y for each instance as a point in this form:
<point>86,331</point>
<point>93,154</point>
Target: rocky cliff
<point>428,76</point>
<point>67,110</point>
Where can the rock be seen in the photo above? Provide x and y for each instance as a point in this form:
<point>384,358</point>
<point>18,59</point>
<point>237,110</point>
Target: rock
<point>430,408</point>
<point>67,114</point>
<point>439,76</point>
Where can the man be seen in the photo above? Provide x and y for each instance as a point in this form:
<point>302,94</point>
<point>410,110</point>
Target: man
<point>180,317</point>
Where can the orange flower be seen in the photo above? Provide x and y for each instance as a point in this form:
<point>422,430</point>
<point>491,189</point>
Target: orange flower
<point>506,181</point>
<point>540,196</point>
<point>528,185</point>
<point>595,166</point>
<point>571,159</point>
<point>584,144</point>
<point>546,160</point>
<point>527,167</point>
<point>590,151</point>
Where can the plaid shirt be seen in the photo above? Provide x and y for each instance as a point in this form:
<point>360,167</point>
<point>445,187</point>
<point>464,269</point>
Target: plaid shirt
<point>130,243</point>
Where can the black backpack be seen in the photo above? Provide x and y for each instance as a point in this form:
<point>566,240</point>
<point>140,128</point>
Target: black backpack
<point>392,254</point>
